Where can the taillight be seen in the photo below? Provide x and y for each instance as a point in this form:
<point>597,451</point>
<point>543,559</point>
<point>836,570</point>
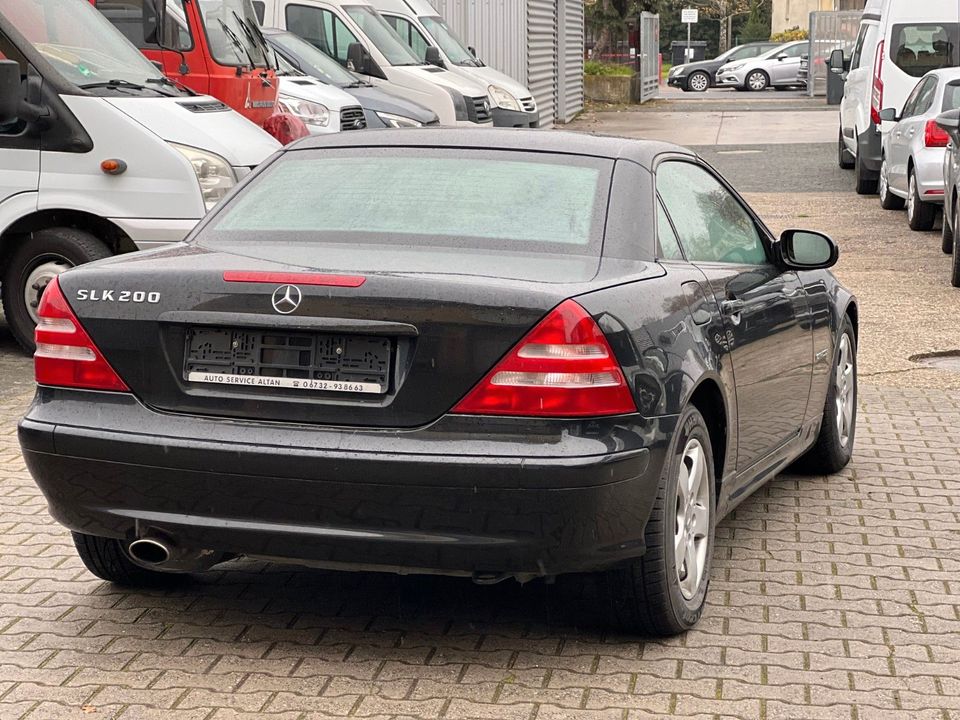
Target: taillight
<point>935,136</point>
<point>65,355</point>
<point>876,101</point>
<point>564,367</point>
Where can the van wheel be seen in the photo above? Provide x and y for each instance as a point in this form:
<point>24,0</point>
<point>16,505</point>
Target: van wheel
<point>663,592</point>
<point>866,180</point>
<point>105,558</point>
<point>31,268</point>
<point>921,216</point>
<point>888,201</point>
<point>844,156</point>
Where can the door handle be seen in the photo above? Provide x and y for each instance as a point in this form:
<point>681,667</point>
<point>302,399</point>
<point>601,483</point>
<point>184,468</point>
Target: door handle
<point>732,309</point>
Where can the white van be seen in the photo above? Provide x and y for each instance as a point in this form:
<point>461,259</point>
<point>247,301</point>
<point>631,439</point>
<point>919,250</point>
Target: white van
<point>99,153</point>
<point>426,32</point>
<point>323,108</point>
<point>899,42</point>
<point>355,34</point>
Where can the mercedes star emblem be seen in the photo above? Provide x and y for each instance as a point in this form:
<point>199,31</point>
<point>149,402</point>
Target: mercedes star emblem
<point>286,299</point>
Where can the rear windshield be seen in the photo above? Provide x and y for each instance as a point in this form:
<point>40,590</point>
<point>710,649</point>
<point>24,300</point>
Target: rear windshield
<point>466,203</point>
<point>918,49</point>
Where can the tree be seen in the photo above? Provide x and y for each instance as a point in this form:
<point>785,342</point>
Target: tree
<point>608,18</point>
<point>757,26</point>
<point>725,11</point>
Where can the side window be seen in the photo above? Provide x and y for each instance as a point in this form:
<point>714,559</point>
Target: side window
<point>951,96</point>
<point>910,106</point>
<point>260,8</point>
<point>925,101</point>
<point>137,20</point>
<point>858,48</point>
<point>339,36</point>
<point>797,50</point>
<point>410,34</point>
<point>669,245</point>
<point>712,224</point>
<point>309,23</point>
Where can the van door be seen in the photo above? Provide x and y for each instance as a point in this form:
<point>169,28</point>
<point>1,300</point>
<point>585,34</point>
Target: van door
<point>855,106</point>
<point>19,151</point>
<point>320,27</point>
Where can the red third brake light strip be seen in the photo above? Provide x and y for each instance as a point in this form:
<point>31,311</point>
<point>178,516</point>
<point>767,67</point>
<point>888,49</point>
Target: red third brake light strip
<point>65,355</point>
<point>281,278</point>
<point>564,367</point>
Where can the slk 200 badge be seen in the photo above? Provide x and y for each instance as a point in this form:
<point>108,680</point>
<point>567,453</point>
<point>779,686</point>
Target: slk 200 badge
<point>135,296</point>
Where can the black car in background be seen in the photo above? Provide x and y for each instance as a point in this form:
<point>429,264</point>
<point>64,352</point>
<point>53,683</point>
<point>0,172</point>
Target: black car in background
<point>380,108</point>
<point>508,354</point>
<point>701,76</point>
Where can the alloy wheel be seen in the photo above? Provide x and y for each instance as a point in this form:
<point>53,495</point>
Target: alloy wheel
<point>845,384</point>
<point>883,187</point>
<point>698,82</point>
<point>692,526</point>
<point>912,198</point>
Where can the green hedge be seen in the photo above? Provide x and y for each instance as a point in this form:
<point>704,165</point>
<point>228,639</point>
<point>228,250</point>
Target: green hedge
<point>593,67</point>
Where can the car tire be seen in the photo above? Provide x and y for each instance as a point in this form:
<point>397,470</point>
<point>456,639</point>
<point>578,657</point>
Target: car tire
<point>756,81</point>
<point>33,264</point>
<point>655,595</point>
<point>888,201</point>
<point>921,216</point>
<point>833,448</point>
<point>866,180</point>
<point>946,235</point>
<point>698,82</point>
<point>955,265</point>
<point>844,157</point>
<point>106,558</point>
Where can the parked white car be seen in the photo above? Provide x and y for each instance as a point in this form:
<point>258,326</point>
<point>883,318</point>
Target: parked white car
<point>899,42</point>
<point>778,68</point>
<point>323,108</point>
<point>99,153</point>
<point>911,161</point>
<point>429,36</point>
<point>356,35</point>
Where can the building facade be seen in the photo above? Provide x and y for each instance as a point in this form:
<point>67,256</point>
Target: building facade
<point>536,42</point>
<point>796,13</point>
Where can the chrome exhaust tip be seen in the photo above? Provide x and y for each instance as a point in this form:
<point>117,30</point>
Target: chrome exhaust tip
<point>149,551</point>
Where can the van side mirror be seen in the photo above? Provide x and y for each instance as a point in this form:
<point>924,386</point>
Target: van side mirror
<point>836,63</point>
<point>473,50</point>
<point>432,56</point>
<point>889,115</point>
<point>358,59</point>
<point>807,250</point>
<point>11,94</point>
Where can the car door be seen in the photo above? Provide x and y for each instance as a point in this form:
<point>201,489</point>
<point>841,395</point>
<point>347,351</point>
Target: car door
<point>786,71</point>
<point>903,133</point>
<point>765,310</point>
<point>320,27</point>
<point>19,149</point>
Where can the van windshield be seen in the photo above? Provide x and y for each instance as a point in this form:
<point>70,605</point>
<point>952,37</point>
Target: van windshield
<point>84,47</point>
<point>918,49</point>
<point>383,36</point>
<point>322,66</point>
<point>450,44</point>
<point>233,32</point>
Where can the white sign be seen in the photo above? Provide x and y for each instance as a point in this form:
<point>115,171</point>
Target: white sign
<point>690,15</point>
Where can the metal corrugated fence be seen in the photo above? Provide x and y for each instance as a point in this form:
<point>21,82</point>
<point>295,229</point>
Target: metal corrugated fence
<point>537,42</point>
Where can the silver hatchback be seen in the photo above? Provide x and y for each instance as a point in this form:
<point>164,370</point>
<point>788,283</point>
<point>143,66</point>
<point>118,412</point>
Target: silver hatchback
<point>911,168</point>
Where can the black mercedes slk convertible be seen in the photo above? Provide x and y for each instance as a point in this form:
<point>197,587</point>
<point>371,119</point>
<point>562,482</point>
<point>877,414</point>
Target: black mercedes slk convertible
<point>498,354</point>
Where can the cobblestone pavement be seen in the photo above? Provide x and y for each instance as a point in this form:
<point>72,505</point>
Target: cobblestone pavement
<point>832,597</point>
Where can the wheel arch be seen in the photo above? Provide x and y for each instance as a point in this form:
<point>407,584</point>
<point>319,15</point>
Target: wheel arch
<point>115,238</point>
<point>852,311</point>
<point>709,399</point>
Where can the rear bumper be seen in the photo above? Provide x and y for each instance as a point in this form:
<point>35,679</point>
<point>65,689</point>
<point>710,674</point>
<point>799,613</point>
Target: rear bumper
<point>870,148</point>
<point>515,118</point>
<point>424,500</point>
<point>928,163</point>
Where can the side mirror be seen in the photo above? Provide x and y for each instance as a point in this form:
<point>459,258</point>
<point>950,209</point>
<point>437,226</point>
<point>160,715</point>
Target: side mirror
<point>11,94</point>
<point>889,115</point>
<point>358,59</point>
<point>781,57</point>
<point>807,250</point>
<point>950,121</point>
<point>432,56</point>
<point>836,63</point>
<point>473,50</point>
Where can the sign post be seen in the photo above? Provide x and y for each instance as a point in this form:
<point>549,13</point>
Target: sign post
<point>689,16</point>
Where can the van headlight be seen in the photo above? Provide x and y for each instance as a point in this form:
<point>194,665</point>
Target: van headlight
<point>214,173</point>
<point>398,121</point>
<point>502,98</point>
<point>310,112</point>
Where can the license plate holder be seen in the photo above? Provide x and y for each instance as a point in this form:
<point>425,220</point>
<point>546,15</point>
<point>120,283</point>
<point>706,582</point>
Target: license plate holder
<point>300,361</point>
